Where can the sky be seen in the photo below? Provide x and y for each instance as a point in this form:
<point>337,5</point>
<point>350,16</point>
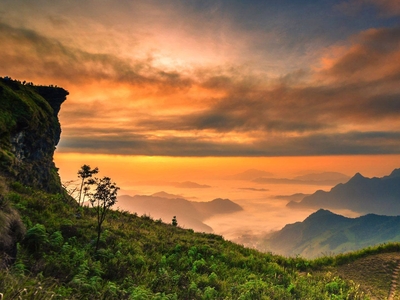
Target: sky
<point>196,87</point>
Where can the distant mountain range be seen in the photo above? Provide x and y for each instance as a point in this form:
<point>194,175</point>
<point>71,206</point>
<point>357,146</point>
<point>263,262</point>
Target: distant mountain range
<point>294,197</point>
<point>249,175</point>
<point>185,184</point>
<point>189,185</point>
<point>253,189</point>
<point>324,232</point>
<point>325,178</point>
<point>359,194</point>
<point>189,214</point>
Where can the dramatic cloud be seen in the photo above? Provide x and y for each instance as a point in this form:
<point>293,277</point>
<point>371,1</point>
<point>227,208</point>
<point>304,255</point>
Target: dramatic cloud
<point>47,58</point>
<point>386,7</point>
<point>316,144</point>
<point>215,83</point>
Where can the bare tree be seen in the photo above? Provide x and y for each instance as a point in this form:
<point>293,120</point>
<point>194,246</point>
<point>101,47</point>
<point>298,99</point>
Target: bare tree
<point>104,196</point>
<point>85,173</point>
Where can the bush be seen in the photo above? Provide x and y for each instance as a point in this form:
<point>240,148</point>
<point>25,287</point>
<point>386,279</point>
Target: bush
<point>36,238</point>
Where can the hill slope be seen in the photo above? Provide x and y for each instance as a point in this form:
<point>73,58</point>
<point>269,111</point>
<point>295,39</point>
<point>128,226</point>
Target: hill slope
<point>190,214</point>
<point>326,232</point>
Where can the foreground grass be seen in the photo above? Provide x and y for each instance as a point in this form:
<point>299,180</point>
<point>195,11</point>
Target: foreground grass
<point>140,258</point>
<point>373,273</point>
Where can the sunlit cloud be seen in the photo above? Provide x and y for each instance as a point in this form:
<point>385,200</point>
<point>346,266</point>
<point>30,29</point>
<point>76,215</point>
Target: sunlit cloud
<point>206,85</point>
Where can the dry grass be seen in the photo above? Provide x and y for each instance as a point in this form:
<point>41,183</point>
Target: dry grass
<point>373,273</point>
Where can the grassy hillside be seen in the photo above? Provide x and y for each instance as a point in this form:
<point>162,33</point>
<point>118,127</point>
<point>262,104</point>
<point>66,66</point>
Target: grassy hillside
<point>144,259</point>
<point>373,272</point>
<point>374,269</point>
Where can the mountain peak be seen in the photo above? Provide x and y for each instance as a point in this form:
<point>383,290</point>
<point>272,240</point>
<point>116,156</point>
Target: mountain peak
<point>321,212</point>
<point>395,173</point>
<point>322,216</point>
<point>357,177</point>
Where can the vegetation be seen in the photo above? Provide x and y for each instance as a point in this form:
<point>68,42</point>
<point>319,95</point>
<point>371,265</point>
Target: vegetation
<point>104,197</point>
<point>29,132</point>
<point>139,258</point>
<point>326,232</point>
<point>85,174</point>
<point>174,221</point>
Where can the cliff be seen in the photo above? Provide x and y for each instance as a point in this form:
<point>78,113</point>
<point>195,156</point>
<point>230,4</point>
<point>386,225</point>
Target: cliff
<point>29,133</point>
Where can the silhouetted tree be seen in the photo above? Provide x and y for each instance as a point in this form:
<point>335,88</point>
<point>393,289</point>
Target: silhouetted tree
<point>104,196</point>
<point>85,173</point>
<point>174,221</point>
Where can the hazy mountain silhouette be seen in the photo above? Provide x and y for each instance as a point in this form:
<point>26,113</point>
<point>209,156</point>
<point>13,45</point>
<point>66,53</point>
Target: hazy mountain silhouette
<point>249,175</point>
<point>188,213</point>
<point>360,194</point>
<point>216,206</point>
<point>325,178</point>
<point>326,232</point>
<point>294,197</point>
<point>163,194</point>
<point>254,189</point>
<point>189,185</point>
<point>185,184</point>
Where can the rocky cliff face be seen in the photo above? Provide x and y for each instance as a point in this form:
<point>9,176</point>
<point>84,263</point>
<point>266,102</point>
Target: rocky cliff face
<point>29,133</point>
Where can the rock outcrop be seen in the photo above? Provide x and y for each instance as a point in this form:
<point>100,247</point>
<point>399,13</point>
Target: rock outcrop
<point>29,133</point>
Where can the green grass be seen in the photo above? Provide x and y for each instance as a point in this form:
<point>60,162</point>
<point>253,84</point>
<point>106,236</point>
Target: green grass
<point>140,258</point>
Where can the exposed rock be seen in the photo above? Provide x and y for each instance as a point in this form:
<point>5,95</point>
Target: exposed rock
<point>29,133</point>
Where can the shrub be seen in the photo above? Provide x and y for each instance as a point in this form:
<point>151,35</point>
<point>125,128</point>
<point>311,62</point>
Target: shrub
<point>36,238</point>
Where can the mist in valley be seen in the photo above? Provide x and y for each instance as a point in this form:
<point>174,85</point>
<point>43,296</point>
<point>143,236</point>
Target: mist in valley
<point>263,205</point>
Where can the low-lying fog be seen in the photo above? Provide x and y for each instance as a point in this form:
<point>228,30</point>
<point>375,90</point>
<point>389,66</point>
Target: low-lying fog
<point>259,185</point>
<point>264,205</point>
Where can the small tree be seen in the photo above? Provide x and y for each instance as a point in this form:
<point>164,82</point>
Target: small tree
<point>174,221</point>
<point>104,196</point>
<point>84,173</point>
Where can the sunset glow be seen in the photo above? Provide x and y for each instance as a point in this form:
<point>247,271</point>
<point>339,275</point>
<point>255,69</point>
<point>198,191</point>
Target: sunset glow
<point>177,91</point>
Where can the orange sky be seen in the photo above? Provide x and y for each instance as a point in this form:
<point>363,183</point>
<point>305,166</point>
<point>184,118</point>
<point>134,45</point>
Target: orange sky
<point>136,169</point>
<point>196,89</point>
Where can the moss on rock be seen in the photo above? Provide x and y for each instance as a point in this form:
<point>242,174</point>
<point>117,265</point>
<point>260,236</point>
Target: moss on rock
<point>29,133</point>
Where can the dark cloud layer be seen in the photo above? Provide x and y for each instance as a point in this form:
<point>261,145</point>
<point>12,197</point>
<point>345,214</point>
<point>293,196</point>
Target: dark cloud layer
<point>317,144</point>
<point>349,106</point>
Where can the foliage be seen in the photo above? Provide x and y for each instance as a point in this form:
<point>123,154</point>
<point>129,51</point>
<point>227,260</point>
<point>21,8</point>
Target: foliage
<point>138,258</point>
<point>85,173</point>
<point>104,197</point>
<point>29,132</point>
<point>174,221</point>
<point>36,238</point>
